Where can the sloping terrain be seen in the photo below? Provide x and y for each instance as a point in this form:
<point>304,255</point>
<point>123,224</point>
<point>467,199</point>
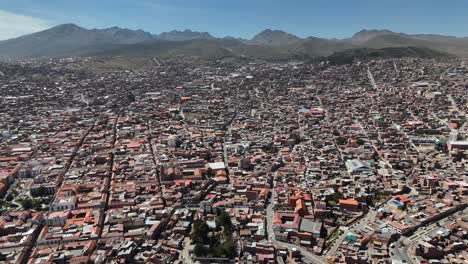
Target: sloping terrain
<point>72,40</point>
<point>274,38</point>
<point>363,54</point>
<point>68,39</point>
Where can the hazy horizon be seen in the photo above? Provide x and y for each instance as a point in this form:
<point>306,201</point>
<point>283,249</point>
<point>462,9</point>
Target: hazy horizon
<point>326,19</point>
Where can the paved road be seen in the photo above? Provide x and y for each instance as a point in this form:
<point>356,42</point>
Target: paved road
<point>270,216</point>
<point>398,253</point>
<point>369,217</point>
<point>185,255</point>
<point>398,127</point>
<point>314,258</point>
<point>337,243</point>
<point>454,104</point>
<point>271,235</point>
<point>403,249</point>
<point>371,79</point>
<point>84,100</point>
<point>108,185</point>
<point>156,60</point>
<point>396,68</point>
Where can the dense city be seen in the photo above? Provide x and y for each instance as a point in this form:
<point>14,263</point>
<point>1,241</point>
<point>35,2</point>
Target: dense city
<point>187,161</point>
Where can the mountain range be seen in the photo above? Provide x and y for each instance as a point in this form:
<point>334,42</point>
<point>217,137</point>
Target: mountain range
<point>72,40</point>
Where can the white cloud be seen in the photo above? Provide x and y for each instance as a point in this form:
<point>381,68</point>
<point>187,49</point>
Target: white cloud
<point>15,25</point>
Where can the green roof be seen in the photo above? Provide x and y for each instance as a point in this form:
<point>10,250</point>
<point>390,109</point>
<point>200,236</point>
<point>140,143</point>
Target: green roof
<point>378,117</point>
<point>351,237</point>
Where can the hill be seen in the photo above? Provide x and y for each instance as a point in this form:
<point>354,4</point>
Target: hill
<point>386,39</point>
<point>203,48</point>
<point>364,54</point>
<point>316,47</point>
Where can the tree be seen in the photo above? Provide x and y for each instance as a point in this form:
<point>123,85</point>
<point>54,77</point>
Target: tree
<point>26,204</point>
<point>229,248</point>
<point>269,148</point>
<point>441,145</point>
<point>199,250</point>
<point>200,232</point>
<point>131,97</point>
<point>37,204</point>
<point>333,200</point>
<point>341,140</point>
<point>41,191</point>
<point>9,197</point>
<point>223,220</point>
<point>14,192</point>
<point>207,155</point>
<point>210,173</point>
<point>225,250</point>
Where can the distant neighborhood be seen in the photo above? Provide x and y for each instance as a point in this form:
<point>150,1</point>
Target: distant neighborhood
<point>228,161</point>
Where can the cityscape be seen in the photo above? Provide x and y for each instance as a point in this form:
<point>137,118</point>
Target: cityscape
<point>185,148</point>
<point>262,163</point>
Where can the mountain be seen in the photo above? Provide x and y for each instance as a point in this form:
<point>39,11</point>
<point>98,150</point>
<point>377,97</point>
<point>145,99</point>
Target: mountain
<point>274,38</point>
<point>72,40</point>
<point>366,35</point>
<point>69,39</point>
<point>184,35</point>
<point>124,36</point>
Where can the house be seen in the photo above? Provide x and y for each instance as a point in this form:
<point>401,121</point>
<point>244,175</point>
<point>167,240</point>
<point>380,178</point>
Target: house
<point>351,205</point>
<point>357,166</point>
<point>313,227</point>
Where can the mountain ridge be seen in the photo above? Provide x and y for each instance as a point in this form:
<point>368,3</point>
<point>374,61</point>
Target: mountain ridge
<point>73,40</point>
<point>274,38</point>
<point>176,35</point>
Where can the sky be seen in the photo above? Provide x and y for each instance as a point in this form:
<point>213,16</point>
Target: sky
<point>240,18</point>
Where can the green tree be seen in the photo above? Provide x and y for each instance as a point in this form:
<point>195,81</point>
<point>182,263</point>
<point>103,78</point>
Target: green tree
<point>199,250</point>
<point>209,173</point>
<point>441,145</point>
<point>9,197</point>
<point>131,97</point>
<point>37,204</point>
<point>225,250</point>
<point>41,191</point>
<point>341,140</point>
<point>333,200</point>
<point>229,248</point>
<point>200,232</point>
<point>223,220</point>
<point>26,204</point>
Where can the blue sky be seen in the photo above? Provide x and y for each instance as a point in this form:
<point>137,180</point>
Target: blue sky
<point>240,18</point>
